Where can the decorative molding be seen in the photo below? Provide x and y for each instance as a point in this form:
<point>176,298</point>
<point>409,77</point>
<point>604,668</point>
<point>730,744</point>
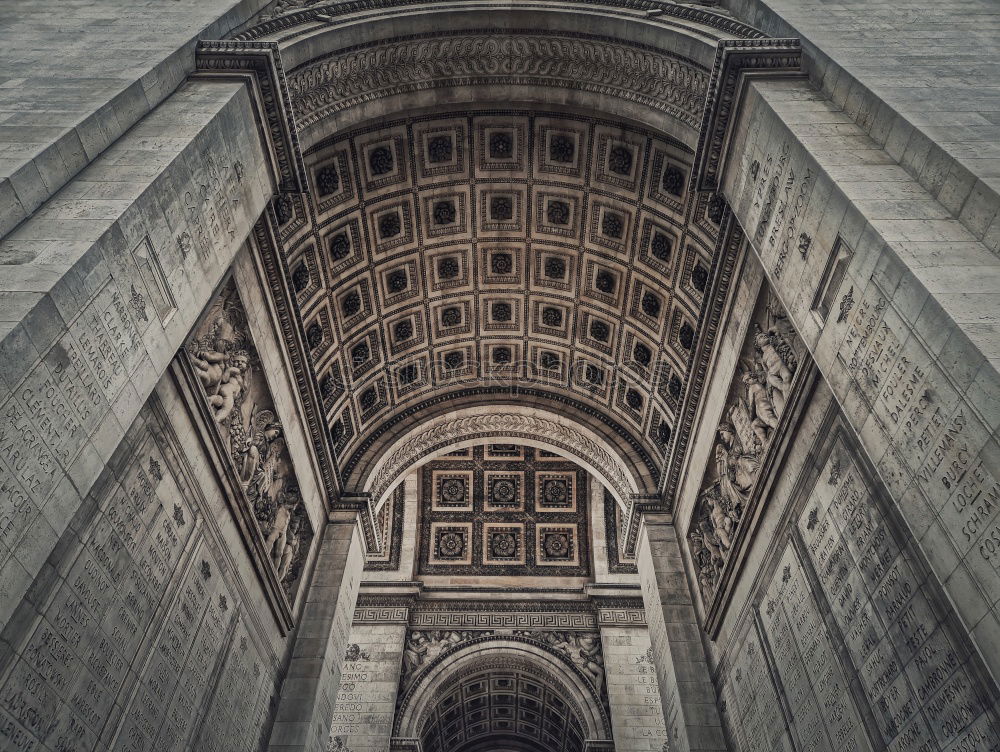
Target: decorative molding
<point>614,526</point>
<point>621,617</point>
<point>387,533</point>
<point>508,425</point>
<point>736,61</point>
<point>383,615</point>
<point>493,619</point>
<point>620,431</point>
<point>730,250</point>
<point>289,320</point>
<point>258,64</point>
<point>286,15</point>
<point>665,83</point>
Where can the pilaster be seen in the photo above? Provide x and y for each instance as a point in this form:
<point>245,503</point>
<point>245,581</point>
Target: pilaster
<point>687,694</point>
<point>307,707</point>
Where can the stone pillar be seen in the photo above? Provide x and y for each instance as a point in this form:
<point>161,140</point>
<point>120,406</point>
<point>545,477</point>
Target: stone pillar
<point>633,691</point>
<point>686,690</point>
<point>116,270</point>
<point>308,694</point>
<point>366,702</point>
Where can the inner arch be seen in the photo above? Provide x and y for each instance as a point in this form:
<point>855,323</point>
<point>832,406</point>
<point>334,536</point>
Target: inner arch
<point>529,426</point>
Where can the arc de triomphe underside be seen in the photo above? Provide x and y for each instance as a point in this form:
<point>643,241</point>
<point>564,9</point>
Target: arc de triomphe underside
<point>499,376</point>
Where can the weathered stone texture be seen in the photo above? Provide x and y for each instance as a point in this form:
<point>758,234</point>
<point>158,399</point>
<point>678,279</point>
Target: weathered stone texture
<point>911,359</point>
<point>633,692</point>
<point>138,632</point>
<point>918,78</point>
<point>76,76</point>
<point>102,294</point>
<point>309,692</point>
<point>366,701</point>
<point>686,690</point>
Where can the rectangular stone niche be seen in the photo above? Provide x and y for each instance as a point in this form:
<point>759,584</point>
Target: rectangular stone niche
<point>223,376</point>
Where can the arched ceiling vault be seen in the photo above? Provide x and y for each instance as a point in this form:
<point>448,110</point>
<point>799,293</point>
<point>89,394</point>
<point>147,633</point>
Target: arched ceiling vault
<point>497,215</point>
<point>533,426</point>
<point>523,256</point>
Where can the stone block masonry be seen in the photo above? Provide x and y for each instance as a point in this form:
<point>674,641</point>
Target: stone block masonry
<point>104,284</point>
<point>63,102</point>
<point>896,300</point>
<point>915,77</point>
<point>369,677</point>
<point>633,691</point>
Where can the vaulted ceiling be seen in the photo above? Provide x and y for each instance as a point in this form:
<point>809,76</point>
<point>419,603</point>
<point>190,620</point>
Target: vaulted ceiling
<point>533,256</point>
<point>503,709</point>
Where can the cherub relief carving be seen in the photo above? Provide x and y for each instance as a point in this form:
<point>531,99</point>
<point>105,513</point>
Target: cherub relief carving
<point>761,388</point>
<point>226,362</point>
<point>582,648</point>
<point>423,646</point>
<point>220,358</point>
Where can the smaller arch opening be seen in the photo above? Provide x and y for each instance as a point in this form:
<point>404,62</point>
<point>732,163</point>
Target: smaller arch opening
<point>493,709</point>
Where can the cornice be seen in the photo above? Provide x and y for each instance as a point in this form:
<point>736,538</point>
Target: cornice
<point>258,64</point>
<point>289,320</point>
<point>736,62</point>
<point>334,13</point>
<point>660,81</point>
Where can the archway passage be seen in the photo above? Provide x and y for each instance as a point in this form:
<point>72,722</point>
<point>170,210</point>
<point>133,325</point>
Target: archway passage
<point>493,709</point>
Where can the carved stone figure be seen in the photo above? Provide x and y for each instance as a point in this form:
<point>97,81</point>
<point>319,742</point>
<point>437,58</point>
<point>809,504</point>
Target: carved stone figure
<point>722,523</point>
<point>763,415</point>
<point>582,648</point>
<point>422,647</point>
<point>760,391</point>
<point>278,539</point>
<point>591,659</point>
<point>291,549</point>
<point>223,357</point>
<point>414,652</point>
<point>779,363</point>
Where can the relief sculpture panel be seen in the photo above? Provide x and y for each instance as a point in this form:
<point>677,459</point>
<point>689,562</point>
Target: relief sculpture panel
<point>229,369</point>
<point>762,388</point>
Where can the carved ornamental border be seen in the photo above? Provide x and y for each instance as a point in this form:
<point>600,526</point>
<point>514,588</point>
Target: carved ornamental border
<point>258,64</point>
<point>736,62</point>
<point>319,12</point>
<point>663,82</point>
<point>586,616</point>
<point>499,663</point>
<point>509,425</point>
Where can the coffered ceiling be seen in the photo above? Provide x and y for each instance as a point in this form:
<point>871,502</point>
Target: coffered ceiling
<point>534,256</point>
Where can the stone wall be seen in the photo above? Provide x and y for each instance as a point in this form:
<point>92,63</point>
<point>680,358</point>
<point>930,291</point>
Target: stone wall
<point>846,637</point>
<point>897,332</point>
<point>141,631</point>
<point>836,633</point>
<point>366,702</point>
<point>105,295</point>
<point>633,691</point>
